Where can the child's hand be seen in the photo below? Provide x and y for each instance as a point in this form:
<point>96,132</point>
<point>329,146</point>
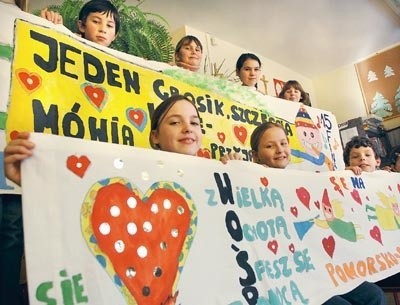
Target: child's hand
<point>231,156</point>
<point>51,16</point>
<point>387,168</point>
<point>17,150</point>
<point>356,169</point>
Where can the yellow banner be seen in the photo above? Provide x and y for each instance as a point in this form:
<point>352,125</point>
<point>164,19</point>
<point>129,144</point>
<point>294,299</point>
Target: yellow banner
<point>63,86</point>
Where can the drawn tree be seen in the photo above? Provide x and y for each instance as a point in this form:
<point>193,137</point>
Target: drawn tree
<point>372,76</point>
<point>381,106</point>
<point>388,71</point>
<point>397,99</point>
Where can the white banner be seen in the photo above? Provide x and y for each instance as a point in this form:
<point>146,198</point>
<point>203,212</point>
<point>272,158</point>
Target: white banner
<point>111,224</point>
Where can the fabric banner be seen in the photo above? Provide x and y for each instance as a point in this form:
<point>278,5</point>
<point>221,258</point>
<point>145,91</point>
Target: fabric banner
<point>114,224</point>
<point>64,86</point>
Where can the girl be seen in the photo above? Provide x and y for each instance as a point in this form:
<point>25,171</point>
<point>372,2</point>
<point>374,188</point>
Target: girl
<point>175,127</point>
<point>293,91</point>
<point>188,53</point>
<point>248,69</point>
<point>270,145</point>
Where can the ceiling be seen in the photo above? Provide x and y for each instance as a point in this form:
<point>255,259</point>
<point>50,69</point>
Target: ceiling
<point>310,37</point>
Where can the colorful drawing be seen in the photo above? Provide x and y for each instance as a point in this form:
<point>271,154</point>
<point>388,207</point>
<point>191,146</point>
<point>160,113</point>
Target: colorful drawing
<point>141,241</point>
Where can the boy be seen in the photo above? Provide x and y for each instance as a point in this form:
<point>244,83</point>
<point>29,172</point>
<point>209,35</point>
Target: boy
<point>99,22</point>
<point>360,155</point>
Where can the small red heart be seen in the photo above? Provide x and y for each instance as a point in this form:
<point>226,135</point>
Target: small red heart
<point>240,133</point>
<point>221,137</point>
<point>136,116</point>
<point>304,196</point>
<point>294,211</point>
<point>329,245</point>
<point>30,80</point>
<point>375,233</point>
<point>317,204</point>
<point>14,134</point>
<point>356,196</point>
<point>78,165</point>
<point>95,94</point>
<point>264,181</point>
<point>291,248</point>
<point>204,153</point>
<point>273,246</point>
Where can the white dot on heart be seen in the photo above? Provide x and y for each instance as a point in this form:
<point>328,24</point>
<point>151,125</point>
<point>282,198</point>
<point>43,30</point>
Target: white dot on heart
<point>119,246</point>
<point>79,165</point>
<point>142,251</point>
<point>174,233</point>
<point>132,228</point>
<point>147,226</point>
<point>115,211</point>
<point>154,208</point>
<point>131,202</point>
<point>29,81</point>
<point>167,204</point>
<point>105,228</point>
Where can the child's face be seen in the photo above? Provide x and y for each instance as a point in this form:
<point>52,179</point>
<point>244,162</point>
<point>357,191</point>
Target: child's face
<point>179,131</point>
<point>190,54</point>
<point>250,72</point>
<point>273,149</point>
<point>292,94</point>
<point>364,157</point>
<point>99,28</point>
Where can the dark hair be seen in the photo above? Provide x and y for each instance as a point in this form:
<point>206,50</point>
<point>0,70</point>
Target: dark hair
<point>100,6</point>
<point>357,142</point>
<point>245,56</point>
<point>161,111</point>
<point>305,99</point>
<point>259,131</point>
<point>394,155</point>
<point>187,40</point>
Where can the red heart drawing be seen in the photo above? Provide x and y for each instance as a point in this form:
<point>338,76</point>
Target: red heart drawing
<point>356,196</point>
<point>14,134</point>
<point>264,181</point>
<point>30,80</point>
<point>375,233</point>
<point>291,248</point>
<point>329,245</point>
<point>240,133</point>
<point>294,211</point>
<point>78,165</point>
<point>137,117</point>
<point>204,153</point>
<point>273,246</point>
<point>143,240</point>
<point>317,204</point>
<point>97,95</point>
<point>304,196</point>
<point>221,137</point>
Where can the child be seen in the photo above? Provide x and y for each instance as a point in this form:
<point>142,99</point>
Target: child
<point>99,22</point>
<point>293,91</point>
<point>248,69</point>
<point>188,53</point>
<point>360,155</point>
<point>270,147</point>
